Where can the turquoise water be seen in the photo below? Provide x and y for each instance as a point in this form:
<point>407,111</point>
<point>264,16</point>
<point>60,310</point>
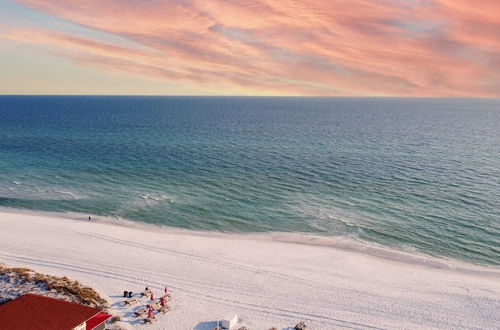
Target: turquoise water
<point>421,175</point>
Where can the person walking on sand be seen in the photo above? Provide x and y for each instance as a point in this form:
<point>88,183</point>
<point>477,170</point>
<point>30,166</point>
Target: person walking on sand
<point>89,217</point>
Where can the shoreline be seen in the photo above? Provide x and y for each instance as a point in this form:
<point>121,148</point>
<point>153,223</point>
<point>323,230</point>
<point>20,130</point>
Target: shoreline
<point>340,243</point>
<point>267,282</point>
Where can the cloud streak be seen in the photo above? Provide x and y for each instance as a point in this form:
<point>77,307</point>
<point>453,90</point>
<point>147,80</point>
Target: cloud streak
<point>288,47</point>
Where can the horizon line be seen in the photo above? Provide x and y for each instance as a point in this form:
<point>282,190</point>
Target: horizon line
<point>263,96</point>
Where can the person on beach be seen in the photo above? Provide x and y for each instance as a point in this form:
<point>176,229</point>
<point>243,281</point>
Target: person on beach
<point>89,217</point>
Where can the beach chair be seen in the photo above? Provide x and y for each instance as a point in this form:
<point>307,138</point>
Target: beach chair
<point>164,309</point>
<point>154,305</point>
<point>142,312</point>
<point>130,302</point>
<point>149,320</point>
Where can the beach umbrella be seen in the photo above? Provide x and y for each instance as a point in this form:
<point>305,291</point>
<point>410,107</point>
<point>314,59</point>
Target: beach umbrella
<point>152,298</point>
<point>150,312</point>
<point>162,301</point>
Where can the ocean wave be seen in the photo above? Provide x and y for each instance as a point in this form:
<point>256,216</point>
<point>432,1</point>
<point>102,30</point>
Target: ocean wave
<point>35,193</point>
<point>72,195</point>
<point>146,200</point>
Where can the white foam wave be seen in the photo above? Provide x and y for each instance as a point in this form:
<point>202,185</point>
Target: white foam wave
<point>72,195</point>
<point>147,200</point>
<point>39,193</point>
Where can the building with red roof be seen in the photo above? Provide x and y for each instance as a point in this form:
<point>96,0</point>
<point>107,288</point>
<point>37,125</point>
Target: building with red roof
<point>35,312</point>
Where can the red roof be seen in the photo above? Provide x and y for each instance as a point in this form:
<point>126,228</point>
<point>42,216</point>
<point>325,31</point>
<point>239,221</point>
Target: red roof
<point>34,312</point>
<point>96,320</point>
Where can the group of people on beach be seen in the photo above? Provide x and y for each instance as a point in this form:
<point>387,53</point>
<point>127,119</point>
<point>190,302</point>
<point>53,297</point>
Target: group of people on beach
<point>154,306</point>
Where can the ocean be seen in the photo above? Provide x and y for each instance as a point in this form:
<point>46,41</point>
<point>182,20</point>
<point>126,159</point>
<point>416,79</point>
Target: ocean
<point>418,175</point>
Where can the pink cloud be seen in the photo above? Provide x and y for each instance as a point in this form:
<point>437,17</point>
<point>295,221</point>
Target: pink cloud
<point>308,47</point>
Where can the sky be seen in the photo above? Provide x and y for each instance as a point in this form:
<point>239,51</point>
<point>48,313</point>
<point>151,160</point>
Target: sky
<point>415,48</point>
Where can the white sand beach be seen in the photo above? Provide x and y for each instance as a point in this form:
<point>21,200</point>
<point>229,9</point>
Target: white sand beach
<point>265,280</point>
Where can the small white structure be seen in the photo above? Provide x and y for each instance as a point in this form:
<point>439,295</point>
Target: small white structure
<point>229,321</point>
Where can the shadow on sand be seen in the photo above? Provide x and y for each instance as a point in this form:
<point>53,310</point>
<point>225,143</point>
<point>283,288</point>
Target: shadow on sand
<point>205,325</point>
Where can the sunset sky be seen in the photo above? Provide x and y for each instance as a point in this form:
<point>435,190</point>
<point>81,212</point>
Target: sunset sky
<point>251,47</point>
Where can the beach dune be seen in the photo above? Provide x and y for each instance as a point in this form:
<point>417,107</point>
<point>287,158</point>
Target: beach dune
<point>265,281</point>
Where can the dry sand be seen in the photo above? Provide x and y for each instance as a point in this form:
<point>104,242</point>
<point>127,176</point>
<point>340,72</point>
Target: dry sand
<point>265,280</point>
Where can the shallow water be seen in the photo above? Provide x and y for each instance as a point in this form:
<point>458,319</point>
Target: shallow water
<point>421,175</point>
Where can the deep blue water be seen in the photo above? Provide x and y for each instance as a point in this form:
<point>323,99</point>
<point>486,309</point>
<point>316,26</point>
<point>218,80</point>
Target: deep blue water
<point>421,175</point>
